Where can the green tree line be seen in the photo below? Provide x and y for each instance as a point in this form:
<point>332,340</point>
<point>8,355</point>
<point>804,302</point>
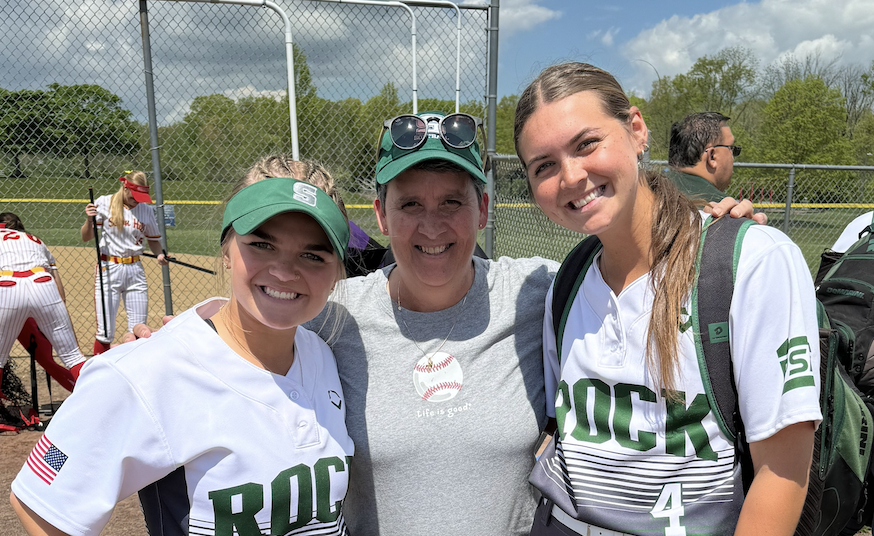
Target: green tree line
<point>802,111</point>
<point>81,120</point>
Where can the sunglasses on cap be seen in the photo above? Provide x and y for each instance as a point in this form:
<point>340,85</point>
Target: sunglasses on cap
<point>409,131</point>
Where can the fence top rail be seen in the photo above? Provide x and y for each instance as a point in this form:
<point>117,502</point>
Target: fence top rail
<point>511,157</point>
<point>460,5</point>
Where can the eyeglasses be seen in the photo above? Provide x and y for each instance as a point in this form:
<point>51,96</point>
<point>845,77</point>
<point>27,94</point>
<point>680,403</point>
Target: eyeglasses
<point>735,149</point>
<point>410,131</point>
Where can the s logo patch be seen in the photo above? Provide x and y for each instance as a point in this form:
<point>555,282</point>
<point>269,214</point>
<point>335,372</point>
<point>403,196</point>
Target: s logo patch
<point>794,355</point>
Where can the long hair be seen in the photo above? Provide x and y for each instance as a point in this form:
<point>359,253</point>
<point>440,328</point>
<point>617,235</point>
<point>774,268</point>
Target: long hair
<point>676,221</point>
<point>116,203</point>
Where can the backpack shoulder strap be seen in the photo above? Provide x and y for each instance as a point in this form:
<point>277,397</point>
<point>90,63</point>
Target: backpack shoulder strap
<point>718,256</point>
<point>567,282</point>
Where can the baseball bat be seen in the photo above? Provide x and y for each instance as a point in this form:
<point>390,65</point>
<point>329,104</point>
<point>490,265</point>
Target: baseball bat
<point>180,263</point>
<point>99,267</point>
<point>31,349</point>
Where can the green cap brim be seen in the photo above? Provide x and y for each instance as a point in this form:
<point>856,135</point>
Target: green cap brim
<point>258,202</point>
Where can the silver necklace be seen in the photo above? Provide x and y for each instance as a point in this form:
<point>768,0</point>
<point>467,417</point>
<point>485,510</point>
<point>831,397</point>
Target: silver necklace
<point>424,354</point>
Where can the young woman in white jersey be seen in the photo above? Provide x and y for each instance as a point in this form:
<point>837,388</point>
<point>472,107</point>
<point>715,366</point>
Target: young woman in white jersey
<point>231,419</point>
<point>31,292</point>
<point>641,454</point>
<point>125,224</point>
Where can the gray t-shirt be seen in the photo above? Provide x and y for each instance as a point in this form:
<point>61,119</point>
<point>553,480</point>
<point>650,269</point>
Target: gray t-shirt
<point>446,446</point>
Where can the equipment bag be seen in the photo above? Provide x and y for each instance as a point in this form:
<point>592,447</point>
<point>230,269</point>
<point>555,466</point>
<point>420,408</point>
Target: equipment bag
<point>839,472</point>
<point>847,293</point>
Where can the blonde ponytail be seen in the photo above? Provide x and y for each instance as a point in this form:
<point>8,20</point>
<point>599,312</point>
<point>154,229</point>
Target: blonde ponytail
<point>116,203</point>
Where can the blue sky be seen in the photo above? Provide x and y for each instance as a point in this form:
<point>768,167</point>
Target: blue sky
<point>635,39</point>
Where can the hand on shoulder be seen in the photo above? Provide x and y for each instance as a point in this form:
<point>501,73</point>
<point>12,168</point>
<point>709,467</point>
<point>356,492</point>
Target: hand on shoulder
<point>735,209</point>
<point>142,331</point>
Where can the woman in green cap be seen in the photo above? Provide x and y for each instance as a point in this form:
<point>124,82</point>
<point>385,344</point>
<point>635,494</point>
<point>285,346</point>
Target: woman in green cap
<point>231,419</point>
<point>441,354</point>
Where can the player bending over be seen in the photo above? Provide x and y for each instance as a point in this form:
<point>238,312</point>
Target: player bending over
<point>30,287</point>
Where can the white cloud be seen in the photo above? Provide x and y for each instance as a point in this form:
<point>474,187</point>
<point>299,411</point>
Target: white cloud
<point>607,38</point>
<point>771,29</point>
<point>202,49</point>
<point>523,15</point>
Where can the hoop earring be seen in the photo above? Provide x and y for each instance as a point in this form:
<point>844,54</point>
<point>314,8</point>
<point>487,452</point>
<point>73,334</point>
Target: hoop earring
<point>640,156</point>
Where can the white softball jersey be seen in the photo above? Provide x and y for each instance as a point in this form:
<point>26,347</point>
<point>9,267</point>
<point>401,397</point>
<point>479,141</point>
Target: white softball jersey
<point>641,464</point>
<point>139,225</point>
<point>25,293</point>
<point>214,444</point>
<point>850,234</point>
<point>122,281</point>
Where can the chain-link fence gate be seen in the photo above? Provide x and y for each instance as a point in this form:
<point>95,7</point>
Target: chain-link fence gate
<point>73,112</point>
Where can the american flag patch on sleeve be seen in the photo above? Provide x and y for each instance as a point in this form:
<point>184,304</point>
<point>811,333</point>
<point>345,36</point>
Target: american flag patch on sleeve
<point>46,460</point>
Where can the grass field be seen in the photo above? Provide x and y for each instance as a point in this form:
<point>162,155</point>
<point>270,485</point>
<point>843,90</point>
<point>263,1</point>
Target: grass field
<point>521,229</point>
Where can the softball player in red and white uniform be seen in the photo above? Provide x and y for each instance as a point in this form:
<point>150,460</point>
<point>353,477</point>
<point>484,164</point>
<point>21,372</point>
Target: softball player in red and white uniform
<point>232,417</point>
<point>31,287</point>
<point>125,225</point>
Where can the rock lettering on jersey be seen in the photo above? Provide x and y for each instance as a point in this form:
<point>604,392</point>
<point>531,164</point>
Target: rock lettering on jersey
<point>682,419</point>
<point>235,508</point>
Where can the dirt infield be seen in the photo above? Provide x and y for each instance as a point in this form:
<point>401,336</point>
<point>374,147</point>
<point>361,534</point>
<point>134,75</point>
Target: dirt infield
<point>127,520</point>
<point>76,267</point>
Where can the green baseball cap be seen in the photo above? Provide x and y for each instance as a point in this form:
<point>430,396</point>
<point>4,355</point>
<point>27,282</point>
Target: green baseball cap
<point>393,160</point>
<point>249,208</point>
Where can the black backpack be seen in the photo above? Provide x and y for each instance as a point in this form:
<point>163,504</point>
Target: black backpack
<point>845,286</point>
<point>839,473</point>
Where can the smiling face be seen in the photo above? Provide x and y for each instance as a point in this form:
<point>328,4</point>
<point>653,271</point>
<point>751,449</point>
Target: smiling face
<point>432,219</point>
<point>582,163</point>
<point>283,272</point>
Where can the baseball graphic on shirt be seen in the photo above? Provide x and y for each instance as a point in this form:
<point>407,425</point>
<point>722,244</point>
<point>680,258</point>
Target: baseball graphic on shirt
<point>438,377</point>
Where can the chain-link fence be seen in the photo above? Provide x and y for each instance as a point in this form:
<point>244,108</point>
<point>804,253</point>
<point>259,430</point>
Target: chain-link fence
<point>73,112</point>
<point>73,115</point>
<point>823,202</point>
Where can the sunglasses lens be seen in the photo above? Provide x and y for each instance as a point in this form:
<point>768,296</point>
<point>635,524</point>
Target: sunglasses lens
<point>459,130</point>
<point>407,131</point>
<point>735,150</point>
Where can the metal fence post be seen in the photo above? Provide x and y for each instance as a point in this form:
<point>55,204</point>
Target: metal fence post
<point>789,189</point>
<point>492,103</point>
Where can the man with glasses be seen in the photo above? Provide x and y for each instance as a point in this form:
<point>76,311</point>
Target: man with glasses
<point>701,155</point>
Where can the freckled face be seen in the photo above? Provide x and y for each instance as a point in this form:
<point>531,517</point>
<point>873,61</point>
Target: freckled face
<point>282,273</point>
<point>432,219</point>
<point>582,163</point>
